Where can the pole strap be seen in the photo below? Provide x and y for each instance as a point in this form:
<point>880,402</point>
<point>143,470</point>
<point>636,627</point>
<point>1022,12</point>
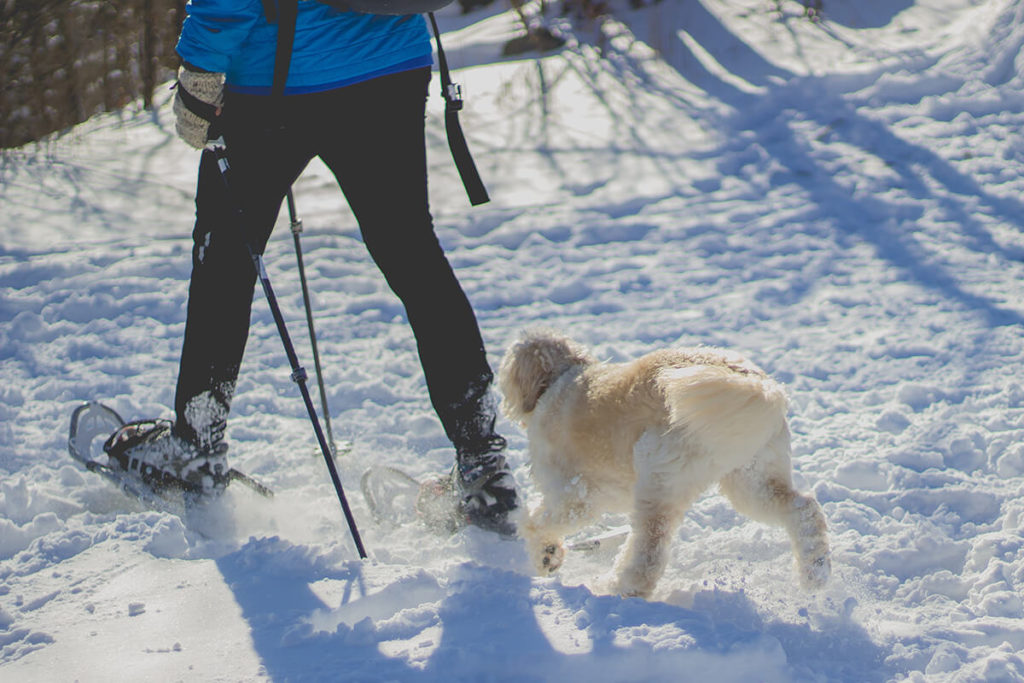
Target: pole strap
<point>452,94</point>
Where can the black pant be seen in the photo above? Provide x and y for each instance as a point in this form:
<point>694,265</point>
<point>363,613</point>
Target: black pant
<point>371,136</point>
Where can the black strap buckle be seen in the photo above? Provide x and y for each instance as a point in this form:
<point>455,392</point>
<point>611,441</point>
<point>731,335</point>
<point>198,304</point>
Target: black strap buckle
<point>453,97</point>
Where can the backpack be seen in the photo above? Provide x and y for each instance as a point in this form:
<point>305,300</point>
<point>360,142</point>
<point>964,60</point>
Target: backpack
<point>284,12</point>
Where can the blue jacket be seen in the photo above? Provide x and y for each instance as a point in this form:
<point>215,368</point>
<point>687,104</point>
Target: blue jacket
<point>332,48</point>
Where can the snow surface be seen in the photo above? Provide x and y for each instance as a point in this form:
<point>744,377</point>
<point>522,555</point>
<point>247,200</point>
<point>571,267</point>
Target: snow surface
<point>841,201</point>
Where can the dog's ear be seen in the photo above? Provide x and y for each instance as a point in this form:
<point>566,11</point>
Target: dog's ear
<point>531,365</point>
<point>522,378</point>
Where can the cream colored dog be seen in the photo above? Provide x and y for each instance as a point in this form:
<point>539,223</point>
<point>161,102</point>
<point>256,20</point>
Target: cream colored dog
<point>648,437</point>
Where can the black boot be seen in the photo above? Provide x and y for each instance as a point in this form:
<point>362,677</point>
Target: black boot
<point>485,487</point>
<point>479,490</point>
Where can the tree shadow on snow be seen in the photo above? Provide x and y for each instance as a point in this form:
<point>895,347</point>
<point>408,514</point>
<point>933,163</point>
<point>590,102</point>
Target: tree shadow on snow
<point>766,99</point>
<point>763,97</point>
<point>864,13</point>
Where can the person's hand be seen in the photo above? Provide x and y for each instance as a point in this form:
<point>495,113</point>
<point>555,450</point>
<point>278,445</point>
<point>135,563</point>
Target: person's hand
<point>198,101</point>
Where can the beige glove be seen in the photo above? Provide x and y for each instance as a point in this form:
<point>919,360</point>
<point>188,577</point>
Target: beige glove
<point>199,97</point>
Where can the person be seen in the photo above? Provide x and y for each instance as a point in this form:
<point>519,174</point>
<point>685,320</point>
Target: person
<point>355,97</point>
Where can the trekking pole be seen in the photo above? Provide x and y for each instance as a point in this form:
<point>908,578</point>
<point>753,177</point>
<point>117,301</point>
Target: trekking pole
<point>298,372</point>
<point>296,225</point>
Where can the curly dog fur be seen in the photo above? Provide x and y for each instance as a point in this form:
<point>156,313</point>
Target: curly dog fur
<point>648,437</point>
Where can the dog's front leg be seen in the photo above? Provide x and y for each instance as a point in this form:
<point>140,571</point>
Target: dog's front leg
<point>646,553</point>
<point>547,527</point>
<point>664,490</point>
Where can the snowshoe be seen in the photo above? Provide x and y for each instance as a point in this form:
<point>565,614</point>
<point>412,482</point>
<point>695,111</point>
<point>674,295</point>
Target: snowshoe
<point>146,461</point>
<point>390,494</point>
<point>395,498</point>
<point>445,503</point>
<point>437,504</point>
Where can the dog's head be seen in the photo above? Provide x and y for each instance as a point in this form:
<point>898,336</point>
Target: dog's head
<point>531,365</point>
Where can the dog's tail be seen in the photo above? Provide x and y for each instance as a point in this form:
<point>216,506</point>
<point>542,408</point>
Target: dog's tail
<point>729,412</point>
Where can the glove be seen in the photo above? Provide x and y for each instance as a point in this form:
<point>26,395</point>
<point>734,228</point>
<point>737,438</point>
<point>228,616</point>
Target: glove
<point>197,103</point>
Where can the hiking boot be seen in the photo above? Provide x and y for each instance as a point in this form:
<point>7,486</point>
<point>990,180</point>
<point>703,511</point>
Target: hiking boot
<point>479,490</point>
<point>486,488</point>
<point>162,459</point>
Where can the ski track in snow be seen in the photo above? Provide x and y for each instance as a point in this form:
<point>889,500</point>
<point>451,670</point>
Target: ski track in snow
<point>840,201</point>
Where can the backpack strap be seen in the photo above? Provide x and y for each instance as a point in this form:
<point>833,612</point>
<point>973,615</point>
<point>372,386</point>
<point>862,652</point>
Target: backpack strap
<point>270,10</point>
<point>286,11</point>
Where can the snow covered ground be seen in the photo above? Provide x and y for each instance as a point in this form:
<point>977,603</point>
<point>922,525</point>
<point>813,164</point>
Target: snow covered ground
<point>841,201</point>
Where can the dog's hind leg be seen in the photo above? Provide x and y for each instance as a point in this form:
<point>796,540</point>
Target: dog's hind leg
<point>763,490</point>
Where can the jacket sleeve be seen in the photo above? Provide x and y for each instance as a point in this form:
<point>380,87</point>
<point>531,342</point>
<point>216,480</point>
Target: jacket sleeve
<point>214,31</point>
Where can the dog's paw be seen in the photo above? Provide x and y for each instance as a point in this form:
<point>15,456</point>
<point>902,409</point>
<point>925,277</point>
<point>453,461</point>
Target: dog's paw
<point>554,555</point>
<point>628,588</point>
<point>815,574</point>
<point>548,557</point>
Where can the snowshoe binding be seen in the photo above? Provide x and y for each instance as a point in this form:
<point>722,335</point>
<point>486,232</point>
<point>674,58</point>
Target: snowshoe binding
<point>151,450</point>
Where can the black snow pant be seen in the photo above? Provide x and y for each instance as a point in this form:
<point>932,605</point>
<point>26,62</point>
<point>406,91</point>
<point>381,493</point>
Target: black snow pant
<point>371,136</point>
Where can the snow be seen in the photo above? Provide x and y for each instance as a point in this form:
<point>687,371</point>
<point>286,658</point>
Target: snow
<point>838,200</point>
